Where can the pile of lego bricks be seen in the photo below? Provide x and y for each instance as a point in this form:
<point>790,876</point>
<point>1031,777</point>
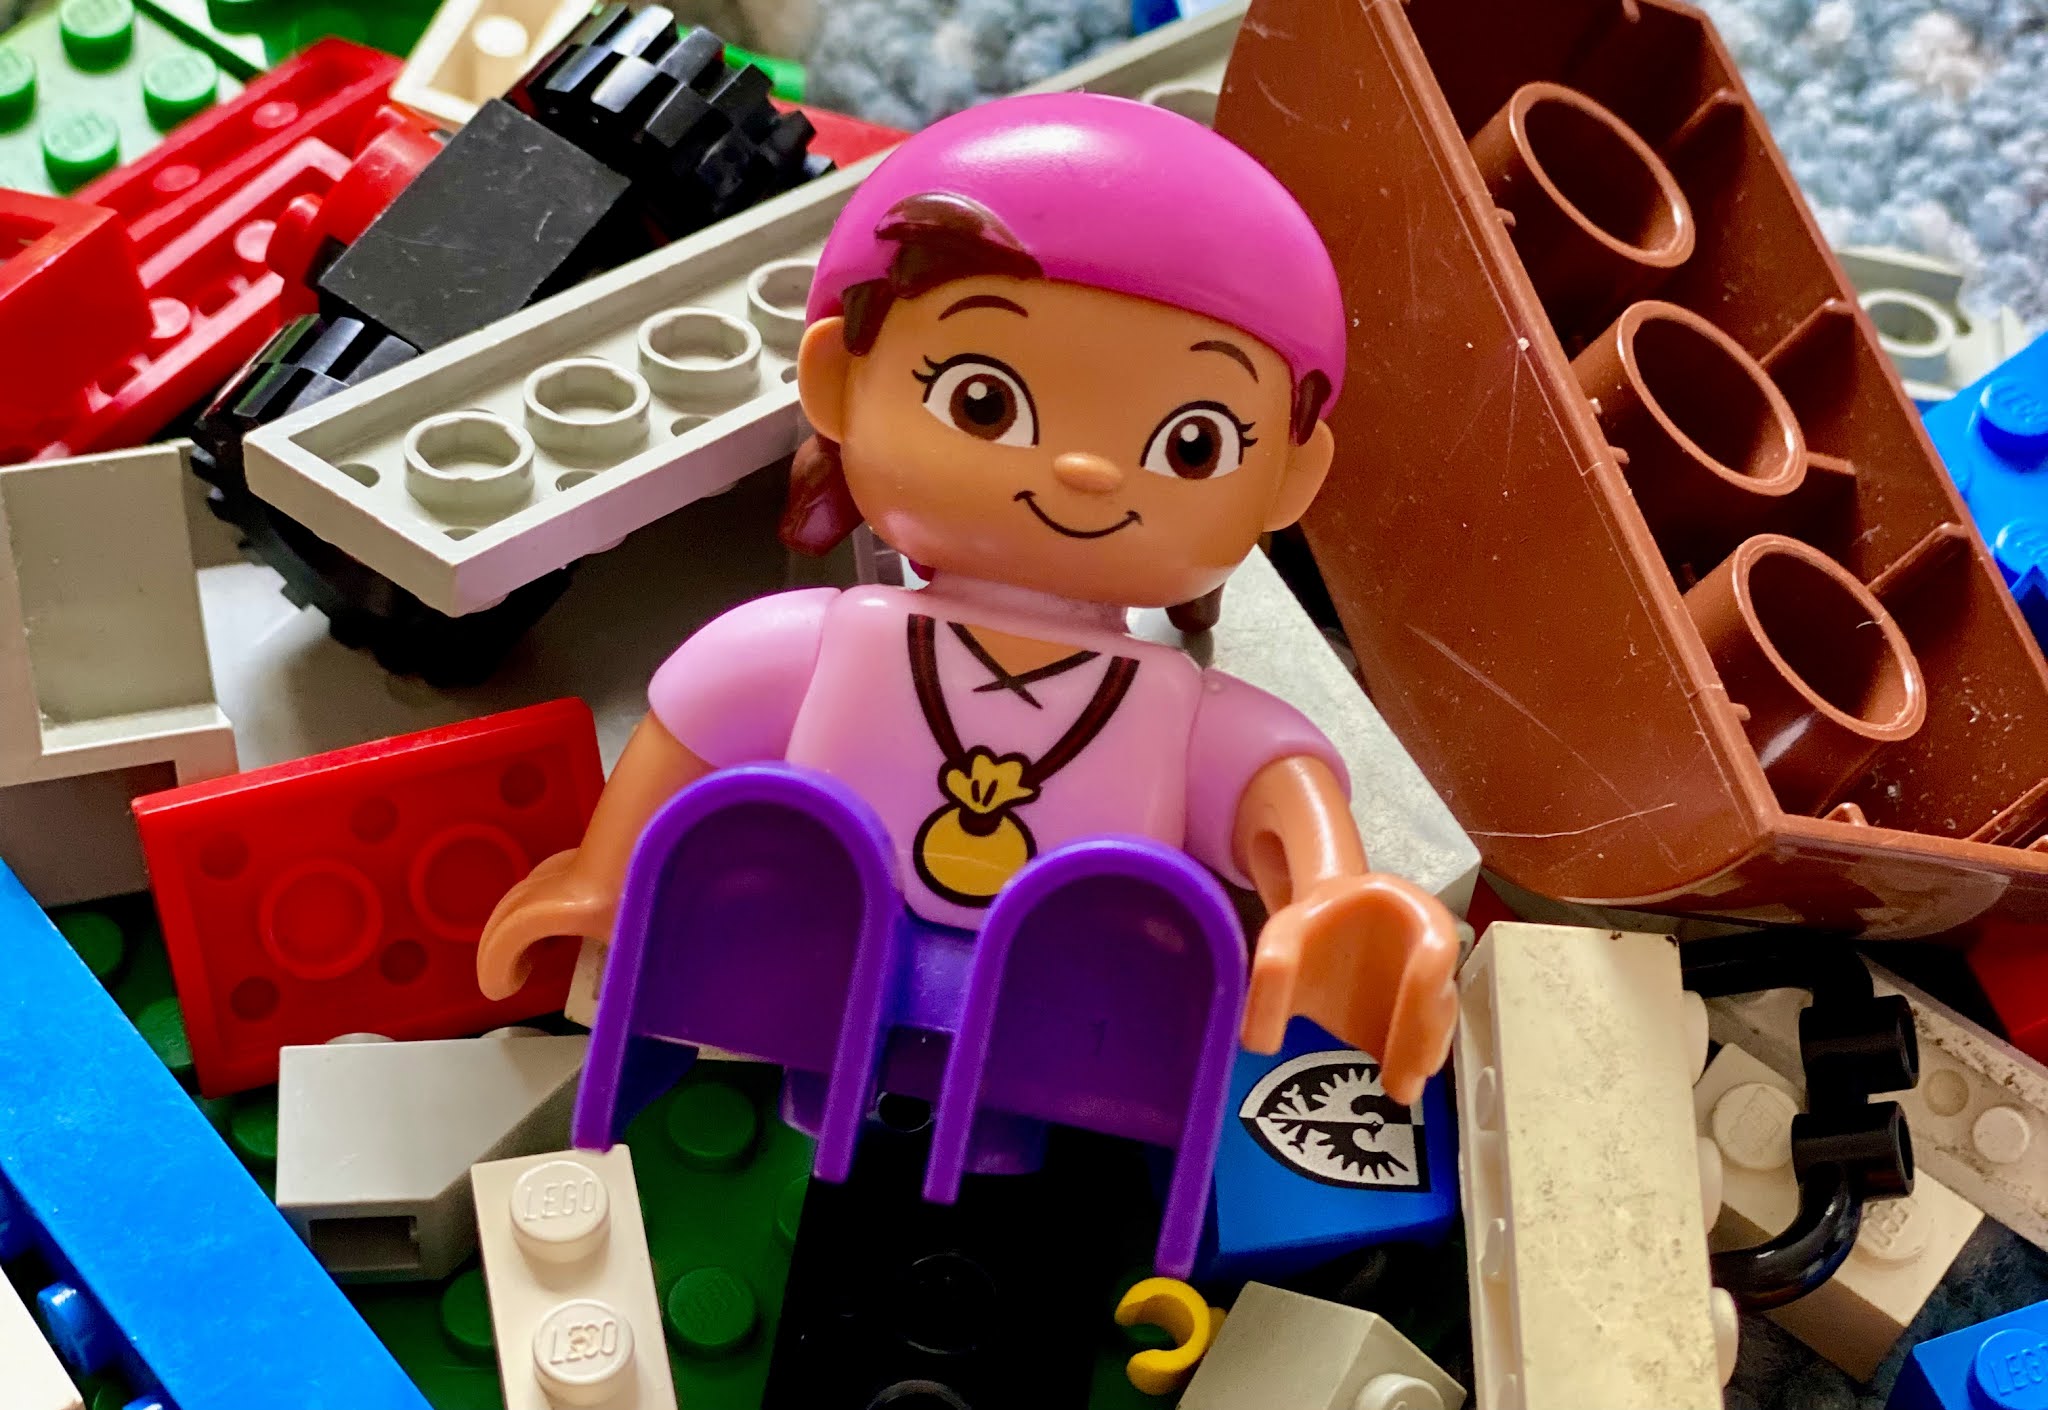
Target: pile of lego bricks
<point>471,330</point>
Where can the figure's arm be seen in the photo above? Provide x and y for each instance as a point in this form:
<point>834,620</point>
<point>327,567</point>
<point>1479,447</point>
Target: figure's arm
<point>577,892</point>
<point>1367,955</point>
<point>654,768</point>
<point>1294,829</point>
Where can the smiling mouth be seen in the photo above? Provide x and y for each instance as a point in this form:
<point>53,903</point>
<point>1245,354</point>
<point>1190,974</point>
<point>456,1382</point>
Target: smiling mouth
<point>1029,499</point>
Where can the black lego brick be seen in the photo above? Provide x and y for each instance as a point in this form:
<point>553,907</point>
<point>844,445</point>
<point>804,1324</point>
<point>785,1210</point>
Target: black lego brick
<point>508,213</point>
<point>700,139</point>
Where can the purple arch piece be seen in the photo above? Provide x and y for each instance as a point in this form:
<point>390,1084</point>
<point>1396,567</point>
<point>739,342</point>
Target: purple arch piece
<point>1106,990</point>
<point>748,900</point>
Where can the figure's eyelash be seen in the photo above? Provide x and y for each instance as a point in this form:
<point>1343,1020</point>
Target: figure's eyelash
<point>934,369</point>
<point>1244,427</point>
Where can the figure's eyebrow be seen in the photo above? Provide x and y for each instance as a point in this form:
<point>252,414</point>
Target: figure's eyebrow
<point>1229,350</point>
<point>985,301</point>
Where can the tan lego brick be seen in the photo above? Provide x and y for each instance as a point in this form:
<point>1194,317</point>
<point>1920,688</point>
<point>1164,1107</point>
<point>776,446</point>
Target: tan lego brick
<point>1589,1278</point>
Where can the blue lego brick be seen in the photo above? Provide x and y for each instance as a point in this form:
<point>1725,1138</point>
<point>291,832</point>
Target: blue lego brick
<point>1318,1161</point>
<point>2001,1364</point>
<point>1993,436</point>
<point>169,1262</point>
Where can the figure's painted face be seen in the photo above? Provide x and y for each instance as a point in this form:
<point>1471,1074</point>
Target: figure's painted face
<point>1064,438</point>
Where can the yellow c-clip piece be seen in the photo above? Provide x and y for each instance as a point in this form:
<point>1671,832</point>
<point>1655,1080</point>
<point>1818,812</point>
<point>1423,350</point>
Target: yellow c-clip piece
<point>1178,1310</point>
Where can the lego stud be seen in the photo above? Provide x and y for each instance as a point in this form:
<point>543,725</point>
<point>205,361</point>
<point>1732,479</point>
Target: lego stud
<point>2012,419</point>
<point>1713,1181</point>
<point>1694,1038</point>
<point>469,464</point>
<point>320,919</point>
<point>584,408</point>
<point>1752,1126</point>
<point>458,875</point>
<point>2009,1372</point>
<point>700,357</point>
<point>1895,1232</point>
<point>1597,217</point>
<point>1395,1391</point>
<point>497,53</point>
<point>1727,1323</point>
<point>1191,100</point>
<point>776,295</point>
<point>1711,445</point>
<point>561,1212</point>
<point>2001,1134</point>
<point>583,1353</point>
<point>1821,671</point>
<point>1916,332</point>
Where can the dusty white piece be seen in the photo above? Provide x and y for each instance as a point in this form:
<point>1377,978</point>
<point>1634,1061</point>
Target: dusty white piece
<point>1280,1348</point>
<point>484,464</point>
<point>475,50</point>
<point>105,687</point>
<point>1745,1108</point>
<point>30,1372</point>
<point>1915,301</point>
<point>1266,639</point>
<point>571,1287</point>
<point>1979,1116</point>
<point>375,1141</point>
<point>1590,1288</point>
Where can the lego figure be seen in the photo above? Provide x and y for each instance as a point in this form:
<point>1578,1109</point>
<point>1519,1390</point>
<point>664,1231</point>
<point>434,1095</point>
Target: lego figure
<point>1069,355</point>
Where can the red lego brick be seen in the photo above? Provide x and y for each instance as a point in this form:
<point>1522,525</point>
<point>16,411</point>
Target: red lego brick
<point>344,893</point>
<point>2011,964</point>
<point>192,223</point>
<point>330,92</point>
<point>69,293</point>
<point>213,302</point>
<point>842,139</point>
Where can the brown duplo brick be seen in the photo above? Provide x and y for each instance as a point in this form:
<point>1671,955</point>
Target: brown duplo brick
<point>1640,544</point>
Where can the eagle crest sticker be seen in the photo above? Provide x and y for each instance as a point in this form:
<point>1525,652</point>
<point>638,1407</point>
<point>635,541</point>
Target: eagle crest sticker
<point>1326,1116</point>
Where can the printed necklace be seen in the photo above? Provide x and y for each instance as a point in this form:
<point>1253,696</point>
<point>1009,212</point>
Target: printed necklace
<point>974,842</point>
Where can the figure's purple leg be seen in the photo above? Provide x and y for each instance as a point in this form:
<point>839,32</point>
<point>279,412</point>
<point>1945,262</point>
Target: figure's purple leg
<point>1107,988</point>
<point>760,914</point>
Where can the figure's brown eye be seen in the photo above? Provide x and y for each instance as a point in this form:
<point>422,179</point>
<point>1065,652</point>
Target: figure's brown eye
<point>1197,442</point>
<point>981,397</point>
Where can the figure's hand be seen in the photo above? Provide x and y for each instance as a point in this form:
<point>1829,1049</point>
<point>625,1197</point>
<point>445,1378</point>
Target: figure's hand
<point>555,898</point>
<point>1371,958</point>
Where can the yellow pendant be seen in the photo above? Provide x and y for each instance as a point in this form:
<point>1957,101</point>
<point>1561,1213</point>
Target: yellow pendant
<point>968,857</point>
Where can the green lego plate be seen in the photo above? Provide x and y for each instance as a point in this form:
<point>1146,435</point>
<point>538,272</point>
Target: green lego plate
<point>91,85</point>
<point>249,36</point>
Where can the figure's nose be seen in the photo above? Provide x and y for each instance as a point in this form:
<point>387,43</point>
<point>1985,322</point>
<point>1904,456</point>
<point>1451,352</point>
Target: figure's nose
<point>1090,474</point>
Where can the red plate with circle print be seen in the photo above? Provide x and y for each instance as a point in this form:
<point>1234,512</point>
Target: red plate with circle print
<point>344,893</point>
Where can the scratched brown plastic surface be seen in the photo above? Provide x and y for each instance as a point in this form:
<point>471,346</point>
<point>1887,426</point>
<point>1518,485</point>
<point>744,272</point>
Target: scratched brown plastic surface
<point>1641,547</point>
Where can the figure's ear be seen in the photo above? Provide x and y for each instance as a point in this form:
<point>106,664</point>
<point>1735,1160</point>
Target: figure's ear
<point>1308,464</point>
<point>823,366</point>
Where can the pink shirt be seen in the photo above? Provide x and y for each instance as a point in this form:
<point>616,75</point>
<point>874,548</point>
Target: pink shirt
<point>830,680</point>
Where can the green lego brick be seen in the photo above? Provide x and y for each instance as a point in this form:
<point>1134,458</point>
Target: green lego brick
<point>721,1186</point>
<point>91,85</point>
<point>440,1333</point>
<point>249,36</point>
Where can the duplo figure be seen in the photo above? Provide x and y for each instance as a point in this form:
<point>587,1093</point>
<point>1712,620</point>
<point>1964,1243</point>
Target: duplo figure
<point>1068,354</point>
